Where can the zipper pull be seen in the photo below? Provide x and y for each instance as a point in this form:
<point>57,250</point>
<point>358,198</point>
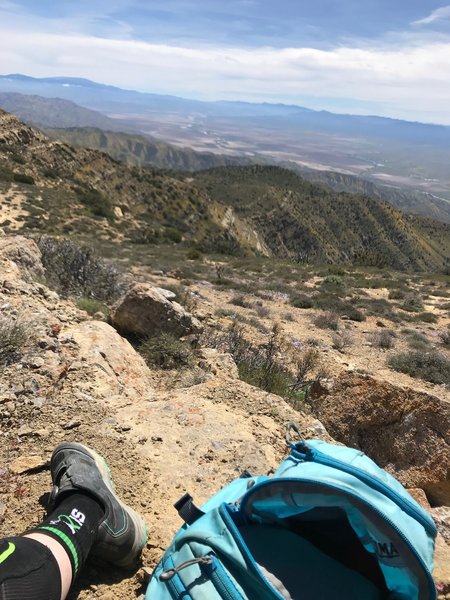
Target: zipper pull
<point>169,573</point>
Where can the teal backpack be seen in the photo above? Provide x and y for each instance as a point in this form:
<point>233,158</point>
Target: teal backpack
<point>329,523</point>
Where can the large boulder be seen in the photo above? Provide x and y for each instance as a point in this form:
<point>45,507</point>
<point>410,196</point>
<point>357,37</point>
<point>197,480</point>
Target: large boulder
<point>145,311</point>
<point>22,256</point>
<point>404,431</point>
<point>110,363</point>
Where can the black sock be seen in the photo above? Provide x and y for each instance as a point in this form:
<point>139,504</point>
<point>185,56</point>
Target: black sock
<point>74,524</point>
<point>28,571</point>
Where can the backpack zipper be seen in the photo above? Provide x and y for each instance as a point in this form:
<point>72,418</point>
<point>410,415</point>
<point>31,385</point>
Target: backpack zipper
<point>176,587</point>
<point>415,554</point>
<point>211,567</point>
<point>408,507</point>
<point>221,580</point>
<point>168,574</point>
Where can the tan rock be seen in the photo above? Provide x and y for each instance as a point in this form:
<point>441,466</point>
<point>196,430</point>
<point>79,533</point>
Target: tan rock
<point>404,431</point>
<point>145,311</point>
<point>116,365</point>
<point>24,464</point>
<point>441,516</point>
<point>441,572</point>
<point>218,363</point>
<point>24,253</point>
<point>420,497</point>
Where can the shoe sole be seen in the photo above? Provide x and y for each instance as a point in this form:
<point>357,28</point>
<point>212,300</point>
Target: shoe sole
<point>140,528</point>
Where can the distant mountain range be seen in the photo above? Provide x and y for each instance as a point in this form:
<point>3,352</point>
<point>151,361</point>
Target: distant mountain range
<point>107,98</point>
<point>76,125</point>
<point>250,209</point>
<point>388,152</point>
<point>141,151</point>
<point>54,112</point>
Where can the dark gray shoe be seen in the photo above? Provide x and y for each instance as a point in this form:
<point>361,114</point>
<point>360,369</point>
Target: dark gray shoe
<point>122,533</point>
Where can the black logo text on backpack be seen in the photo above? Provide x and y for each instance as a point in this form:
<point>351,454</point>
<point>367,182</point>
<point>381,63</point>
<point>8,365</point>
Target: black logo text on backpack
<point>386,550</point>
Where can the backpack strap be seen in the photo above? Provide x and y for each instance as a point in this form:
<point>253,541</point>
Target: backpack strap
<point>187,510</point>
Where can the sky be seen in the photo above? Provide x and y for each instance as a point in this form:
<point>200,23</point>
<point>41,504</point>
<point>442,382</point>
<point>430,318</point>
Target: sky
<point>385,57</point>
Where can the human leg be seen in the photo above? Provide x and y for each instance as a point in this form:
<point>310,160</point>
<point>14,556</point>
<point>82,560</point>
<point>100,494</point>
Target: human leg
<point>85,515</point>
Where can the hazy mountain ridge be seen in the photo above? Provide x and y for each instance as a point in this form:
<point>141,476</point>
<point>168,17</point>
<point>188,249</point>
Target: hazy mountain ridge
<point>53,112</point>
<point>103,97</point>
<point>239,209</point>
<point>140,151</point>
<point>402,193</point>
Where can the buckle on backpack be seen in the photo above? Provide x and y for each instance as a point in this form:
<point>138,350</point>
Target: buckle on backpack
<point>293,428</point>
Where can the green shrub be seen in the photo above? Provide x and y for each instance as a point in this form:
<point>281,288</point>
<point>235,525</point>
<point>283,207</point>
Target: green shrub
<point>18,159</point>
<point>275,380</point>
<point>302,301</point>
<point>427,317</point>
<point>92,306</point>
<point>166,351</point>
<point>378,307</point>
<point>50,173</point>
<point>74,270</point>
<point>353,313</point>
<point>431,366</point>
<point>194,254</point>
<point>14,334</point>
<point>396,295</point>
<point>22,178</point>
<point>330,302</point>
<point>95,202</point>
<point>336,270</point>
<point>445,337</point>
<point>333,281</point>
<point>6,174</point>
<point>173,235</point>
<point>327,320</point>
<point>417,341</point>
<point>412,303</point>
<point>384,338</point>
<point>240,300</point>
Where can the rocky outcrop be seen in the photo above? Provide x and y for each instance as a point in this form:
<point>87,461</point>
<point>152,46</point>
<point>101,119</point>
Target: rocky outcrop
<point>115,366</point>
<point>22,257</point>
<point>144,311</point>
<point>404,431</point>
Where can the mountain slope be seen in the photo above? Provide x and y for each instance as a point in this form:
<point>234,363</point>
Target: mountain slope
<point>53,112</point>
<point>55,188</point>
<point>411,175</point>
<point>86,192</point>
<point>408,200</point>
<point>141,151</point>
<point>308,222</point>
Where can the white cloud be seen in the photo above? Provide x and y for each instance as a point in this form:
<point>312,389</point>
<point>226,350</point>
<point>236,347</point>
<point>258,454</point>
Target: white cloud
<point>409,81</point>
<point>440,14</point>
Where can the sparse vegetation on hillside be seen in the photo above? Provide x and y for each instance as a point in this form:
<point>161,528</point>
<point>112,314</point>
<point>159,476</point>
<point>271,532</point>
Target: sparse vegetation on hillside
<point>231,210</point>
<point>166,351</point>
<point>14,334</point>
<point>431,366</point>
<point>261,365</point>
<point>75,270</point>
<point>309,223</point>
